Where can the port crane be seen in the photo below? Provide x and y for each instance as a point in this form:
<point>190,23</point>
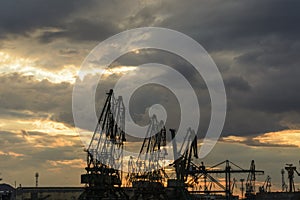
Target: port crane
<point>207,175</point>
<point>152,153</point>
<point>266,187</point>
<point>183,165</point>
<point>291,171</point>
<point>188,173</point>
<point>103,178</point>
<point>147,174</point>
<point>284,187</point>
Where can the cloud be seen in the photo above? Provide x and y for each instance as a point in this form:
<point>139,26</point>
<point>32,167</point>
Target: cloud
<point>22,156</point>
<point>82,30</point>
<point>284,138</point>
<point>237,83</point>
<point>252,48</point>
<point>25,93</point>
<point>20,17</point>
<point>281,138</point>
<point>10,64</point>
<point>75,163</point>
<point>10,153</point>
<point>9,138</point>
<point>68,52</point>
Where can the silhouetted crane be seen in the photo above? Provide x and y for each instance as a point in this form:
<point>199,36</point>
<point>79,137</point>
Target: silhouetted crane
<point>242,187</point>
<point>207,173</point>
<point>147,173</point>
<point>266,187</point>
<point>183,165</point>
<point>291,169</point>
<point>105,153</point>
<point>283,184</point>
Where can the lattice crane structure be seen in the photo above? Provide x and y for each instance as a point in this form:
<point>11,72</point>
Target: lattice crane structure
<point>207,175</point>
<point>291,171</point>
<point>147,173</point>
<point>103,176</point>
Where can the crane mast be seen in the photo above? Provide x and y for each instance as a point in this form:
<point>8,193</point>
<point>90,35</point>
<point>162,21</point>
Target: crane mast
<point>184,163</point>
<point>105,153</point>
<point>283,184</point>
<point>147,173</point>
<point>291,171</point>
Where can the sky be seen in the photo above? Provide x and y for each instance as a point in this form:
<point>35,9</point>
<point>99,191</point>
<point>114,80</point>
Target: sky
<point>255,45</point>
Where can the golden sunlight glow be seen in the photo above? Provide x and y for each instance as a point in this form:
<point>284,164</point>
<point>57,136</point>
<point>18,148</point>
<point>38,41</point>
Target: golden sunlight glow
<point>285,137</point>
<point>37,141</point>
<point>28,67</point>
<point>75,163</point>
<point>41,133</point>
<point>234,139</point>
<point>119,70</point>
<point>10,153</point>
<point>37,125</point>
<point>52,127</point>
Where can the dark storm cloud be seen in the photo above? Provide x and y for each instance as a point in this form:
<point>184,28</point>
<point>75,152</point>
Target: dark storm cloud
<point>146,96</point>
<point>81,30</point>
<point>84,20</point>
<point>237,83</point>
<point>254,105</point>
<point>234,24</point>
<point>265,40</point>
<point>218,23</point>
<point>68,52</point>
<point>274,70</point>
<point>20,17</point>
<point>277,95</point>
<point>57,19</point>
<point>250,102</point>
<point>240,121</point>
<point>261,78</point>
<point>106,24</point>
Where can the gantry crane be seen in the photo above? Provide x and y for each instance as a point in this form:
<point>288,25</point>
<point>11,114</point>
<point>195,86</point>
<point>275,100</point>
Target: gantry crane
<point>207,175</point>
<point>291,169</point>
<point>105,153</point>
